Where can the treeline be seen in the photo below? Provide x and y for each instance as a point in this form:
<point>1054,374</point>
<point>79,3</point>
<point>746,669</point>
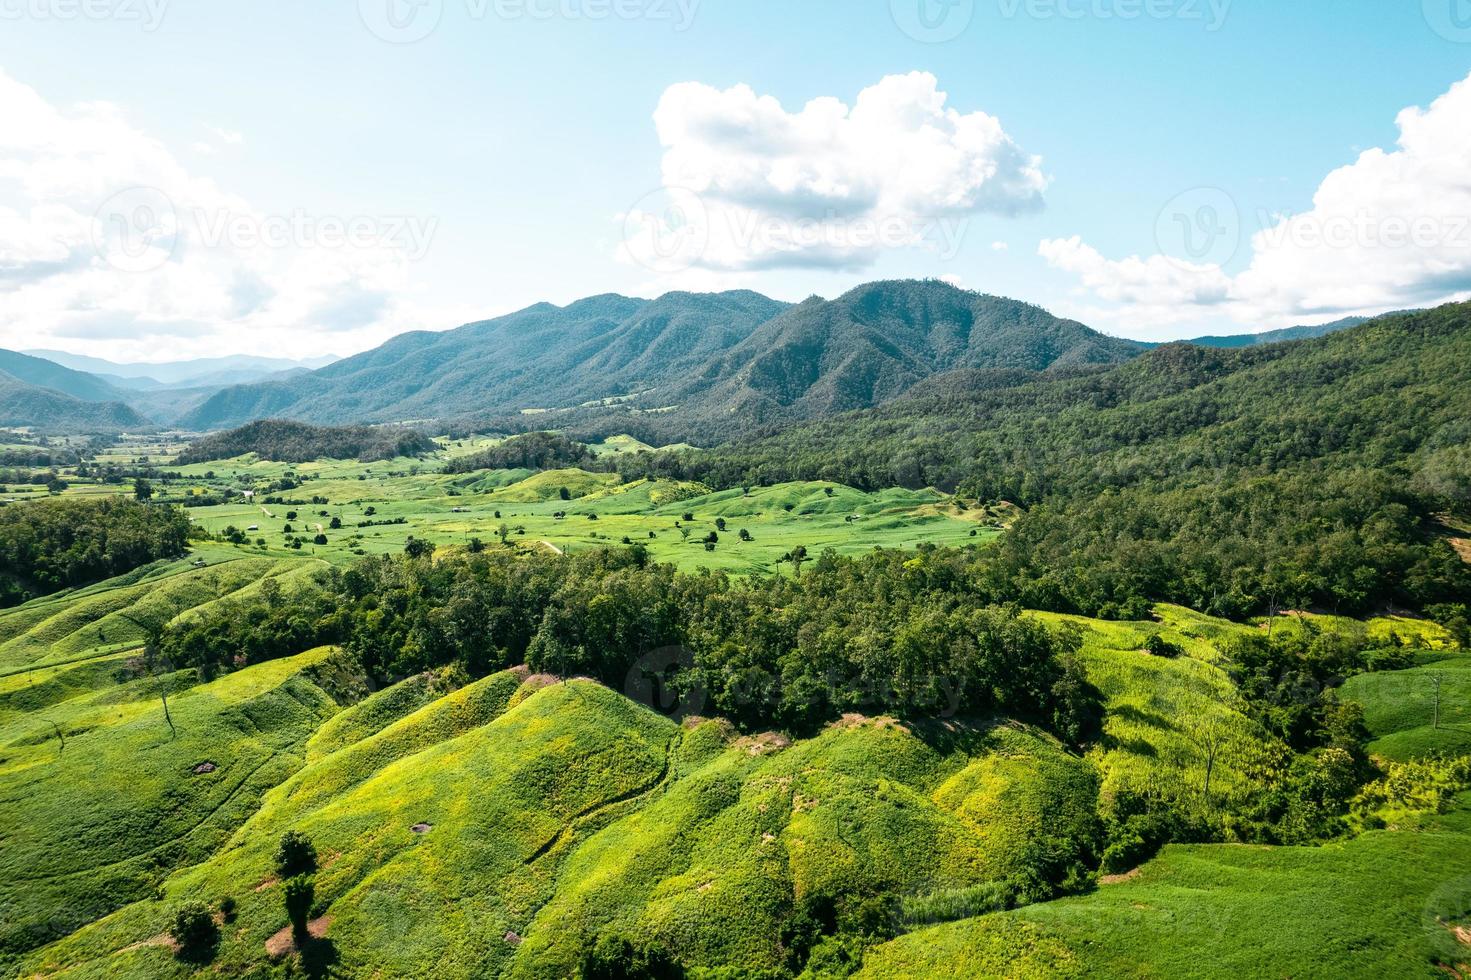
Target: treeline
<point>296,442</point>
<point>46,545</point>
<point>890,632</point>
<point>533,451</point>
<point>1308,473</point>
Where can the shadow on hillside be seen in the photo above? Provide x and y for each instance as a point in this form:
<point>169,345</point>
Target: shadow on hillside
<point>318,957</point>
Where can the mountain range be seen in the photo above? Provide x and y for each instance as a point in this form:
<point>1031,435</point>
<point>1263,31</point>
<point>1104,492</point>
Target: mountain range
<point>699,367</point>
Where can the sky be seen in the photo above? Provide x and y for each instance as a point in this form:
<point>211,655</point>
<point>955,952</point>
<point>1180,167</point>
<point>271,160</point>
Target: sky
<point>184,179</point>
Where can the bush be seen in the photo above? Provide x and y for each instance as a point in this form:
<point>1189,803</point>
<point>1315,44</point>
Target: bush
<point>194,928</point>
<point>615,957</point>
<point>295,854</point>
<point>298,895</point>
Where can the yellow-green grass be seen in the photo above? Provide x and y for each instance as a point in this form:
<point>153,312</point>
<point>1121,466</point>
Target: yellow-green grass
<point>503,801</point>
<point>1167,717</point>
<point>710,867</point>
<point>1399,707</point>
<point>99,820</point>
<point>1367,907</point>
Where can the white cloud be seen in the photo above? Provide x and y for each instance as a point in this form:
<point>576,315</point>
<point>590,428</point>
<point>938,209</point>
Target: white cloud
<point>231,136</point>
<point>1391,230</point>
<point>106,236</point>
<point>749,185</point>
<point>1000,247</point>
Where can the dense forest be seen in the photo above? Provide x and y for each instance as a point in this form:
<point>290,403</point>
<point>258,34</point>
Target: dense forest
<point>533,451</point>
<point>297,442</point>
<point>47,545</point>
<point>1298,474</point>
<point>889,632</point>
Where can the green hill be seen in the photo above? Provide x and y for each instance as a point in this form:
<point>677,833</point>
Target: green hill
<point>296,442</point>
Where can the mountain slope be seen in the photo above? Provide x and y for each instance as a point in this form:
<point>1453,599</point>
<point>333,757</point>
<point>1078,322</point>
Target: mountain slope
<point>541,357</point>
<point>28,405</point>
<point>1277,336</point>
<point>42,373</point>
<point>687,365</point>
<point>197,372</point>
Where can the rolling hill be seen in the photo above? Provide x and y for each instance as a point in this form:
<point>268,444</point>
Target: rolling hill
<point>297,442</point>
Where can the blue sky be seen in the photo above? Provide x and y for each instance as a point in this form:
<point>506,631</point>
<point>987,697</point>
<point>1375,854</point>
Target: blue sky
<point>518,144</point>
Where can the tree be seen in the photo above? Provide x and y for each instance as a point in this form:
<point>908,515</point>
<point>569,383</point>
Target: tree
<point>335,524</point>
<point>418,547</point>
<point>194,928</point>
<point>320,539</point>
<point>295,854</point>
<point>564,493</point>
<point>720,524</point>
<point>142,490</point>
<point>298,896</point>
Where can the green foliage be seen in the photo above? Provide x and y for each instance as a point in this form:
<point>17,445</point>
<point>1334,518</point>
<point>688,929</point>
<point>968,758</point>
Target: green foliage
<point>615,957</point>
<point>297,442</point>
<point>297,894</point>
<point>295,855</point>
<point>194,928</point>
<point>47,545</point>
<point>533,451</point>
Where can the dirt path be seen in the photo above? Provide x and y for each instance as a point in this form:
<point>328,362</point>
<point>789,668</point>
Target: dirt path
<point>266,512</point>
<point>553,548</point>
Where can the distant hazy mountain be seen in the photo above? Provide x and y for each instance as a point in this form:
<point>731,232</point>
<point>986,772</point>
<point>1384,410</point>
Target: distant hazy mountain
<point>1278,336</point>
<point>200,372</point>
<point>47,374</point>
<point>49,410</point>
<point>701,363</point>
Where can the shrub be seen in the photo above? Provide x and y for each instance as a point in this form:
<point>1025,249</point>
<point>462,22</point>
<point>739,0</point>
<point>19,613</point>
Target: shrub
<point>298,895</point>
<point>295,854</point>
<point>194,928</point>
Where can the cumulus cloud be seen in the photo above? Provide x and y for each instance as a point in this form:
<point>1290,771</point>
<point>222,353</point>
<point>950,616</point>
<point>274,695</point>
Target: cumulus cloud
<point>749,185</point>
<point>106,237</point>
<point>1390,230</point>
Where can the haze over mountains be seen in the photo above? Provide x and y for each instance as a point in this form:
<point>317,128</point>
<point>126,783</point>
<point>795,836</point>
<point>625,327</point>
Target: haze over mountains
<point>684,366</point>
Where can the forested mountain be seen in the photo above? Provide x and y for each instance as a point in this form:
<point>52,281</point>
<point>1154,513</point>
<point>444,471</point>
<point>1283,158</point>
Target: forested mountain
<point>45,374</point>
<point>541,357</point>
<point>29,405</point>
<point>1278,336</point>
<point>297,442</point>
<point>690,365</point>
<point>1223,479</point>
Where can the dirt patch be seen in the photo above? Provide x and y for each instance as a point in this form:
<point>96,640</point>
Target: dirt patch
<point>511,938</point>
<point>283,943</point>
<point>272,880</point>
<point>203,768</point>
<point>162,939</point>
<point>1463,547</point>
<point>1129,875</point>
<point>1462,934</point>
<point>422,828</point>
<point>762,743</point>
